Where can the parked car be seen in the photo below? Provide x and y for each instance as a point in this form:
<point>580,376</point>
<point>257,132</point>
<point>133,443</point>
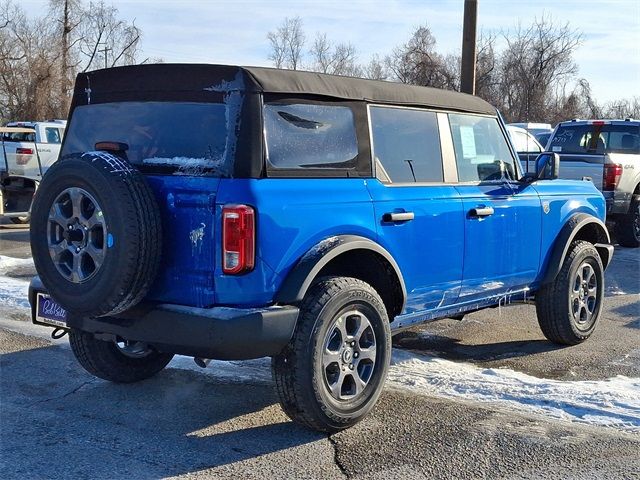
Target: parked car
<point>534,128</point>
<point>607,152</point>
<point>229,212</point>
<point>543,138</point>
<point>526,146</point>
<point>27,150</point>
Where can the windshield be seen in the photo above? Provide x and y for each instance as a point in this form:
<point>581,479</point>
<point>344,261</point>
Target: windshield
<point>162,137</point>
<point>596,139</point>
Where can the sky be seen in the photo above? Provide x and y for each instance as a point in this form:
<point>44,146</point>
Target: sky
<point>200,31</point>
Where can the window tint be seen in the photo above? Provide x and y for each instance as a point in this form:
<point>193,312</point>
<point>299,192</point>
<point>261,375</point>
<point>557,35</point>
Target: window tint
<point>482,152</point>
<point>190,138</point>
<point>598,139</point>
<point>53,135</point>
<point>310,136</point>
<point>406,145</point>
<point>19,137</point>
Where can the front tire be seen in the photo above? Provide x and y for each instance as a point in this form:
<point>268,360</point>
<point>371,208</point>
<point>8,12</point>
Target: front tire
<point>333,370</point>
<point>122,362</point>
<point>569,307</point>
<point>628,226</point>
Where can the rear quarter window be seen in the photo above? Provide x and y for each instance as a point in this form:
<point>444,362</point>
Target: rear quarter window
<point>301,136</point>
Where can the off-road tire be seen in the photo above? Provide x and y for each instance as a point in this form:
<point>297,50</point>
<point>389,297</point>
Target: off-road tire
<point>132,217</point>
<point>104,359</point>
<point>626,228</point>
<point>299,381</point>
<point>553,301</point>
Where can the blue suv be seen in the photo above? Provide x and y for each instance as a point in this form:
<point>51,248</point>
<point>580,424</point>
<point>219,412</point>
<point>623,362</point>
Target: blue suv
<point>224,212</point>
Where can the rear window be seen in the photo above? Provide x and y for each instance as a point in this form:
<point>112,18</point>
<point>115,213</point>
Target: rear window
<point>162,137</point>
<point>596,139</point>
<point>310,136</point>
<point>19,137</point>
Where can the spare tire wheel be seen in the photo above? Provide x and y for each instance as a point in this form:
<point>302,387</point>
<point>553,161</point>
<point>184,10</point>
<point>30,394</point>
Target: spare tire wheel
<point>95,234</point>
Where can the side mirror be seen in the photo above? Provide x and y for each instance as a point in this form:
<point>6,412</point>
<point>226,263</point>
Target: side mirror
<point>547,166</point>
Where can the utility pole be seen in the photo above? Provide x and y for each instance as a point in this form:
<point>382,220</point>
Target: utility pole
<point>105,50</point>
<point>468,64</point>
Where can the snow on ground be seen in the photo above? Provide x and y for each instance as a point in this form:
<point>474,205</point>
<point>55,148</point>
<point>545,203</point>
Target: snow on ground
<point>13,291</point>
<point>10,264</point>
<point>613,403</point>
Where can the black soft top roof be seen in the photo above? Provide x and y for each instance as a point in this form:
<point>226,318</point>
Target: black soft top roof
<point>199,82</point>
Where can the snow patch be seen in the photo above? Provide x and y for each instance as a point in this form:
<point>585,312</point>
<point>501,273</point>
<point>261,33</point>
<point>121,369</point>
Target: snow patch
<point>614,402</point>
<point>14,292</point>
<point>9,264</point>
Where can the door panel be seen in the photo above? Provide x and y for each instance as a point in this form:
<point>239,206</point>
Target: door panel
<point>427,247</point>
<point>502,238</point>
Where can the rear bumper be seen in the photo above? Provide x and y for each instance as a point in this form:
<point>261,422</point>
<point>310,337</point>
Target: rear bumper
<point>221,333</point>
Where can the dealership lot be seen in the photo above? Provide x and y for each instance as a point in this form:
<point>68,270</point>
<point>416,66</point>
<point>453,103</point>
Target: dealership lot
<point>485,397</point>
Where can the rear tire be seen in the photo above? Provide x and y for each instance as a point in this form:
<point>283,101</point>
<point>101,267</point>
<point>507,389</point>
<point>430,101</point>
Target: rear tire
<point>108,361</point>
<point>333,370</point>
<point>627,227</point>
<point>569,307</point>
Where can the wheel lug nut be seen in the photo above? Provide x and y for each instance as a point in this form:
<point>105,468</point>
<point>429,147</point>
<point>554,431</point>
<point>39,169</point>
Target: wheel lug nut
<point>351,366</point>
<point>353,344</point>
<point>78,250</point>
<point>355,355</point>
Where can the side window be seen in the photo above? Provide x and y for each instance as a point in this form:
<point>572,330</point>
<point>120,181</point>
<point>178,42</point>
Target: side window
<point>482,152</point>
<point>53,135</point>
<point>406,145</point>
<point>532,145</point>
<point>519,141</point>
<point>300,135</point>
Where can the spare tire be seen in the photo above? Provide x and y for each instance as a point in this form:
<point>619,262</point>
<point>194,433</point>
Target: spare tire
<point>95,234</point>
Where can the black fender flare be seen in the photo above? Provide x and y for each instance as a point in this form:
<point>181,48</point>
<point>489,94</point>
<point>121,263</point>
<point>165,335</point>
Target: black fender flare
<point>567,234</point>
<point>299,279</point>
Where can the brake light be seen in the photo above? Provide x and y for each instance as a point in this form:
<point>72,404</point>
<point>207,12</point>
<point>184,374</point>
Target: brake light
<point>238,239</point>
<point>23,155</point>
<point>612,174</point>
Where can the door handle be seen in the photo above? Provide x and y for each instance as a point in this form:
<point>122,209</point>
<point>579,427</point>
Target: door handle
<point>481,211</point>
<point>398,217</point>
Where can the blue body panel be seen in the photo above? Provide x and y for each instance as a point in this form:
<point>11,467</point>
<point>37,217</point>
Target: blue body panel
<point>564,198</point>
<point>450,261</point>
<point>186,275</point>
<point>502,250</point>
<point>429,248</point>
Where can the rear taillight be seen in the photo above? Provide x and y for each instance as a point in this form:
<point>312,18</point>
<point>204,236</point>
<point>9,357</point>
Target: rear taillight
<point>238,239</point>
<point>612,174</point>
<point>23,155</point>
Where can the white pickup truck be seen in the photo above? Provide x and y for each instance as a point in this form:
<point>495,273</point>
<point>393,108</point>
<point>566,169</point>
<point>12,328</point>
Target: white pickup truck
<point>27,150</point>
<point>606,152</point>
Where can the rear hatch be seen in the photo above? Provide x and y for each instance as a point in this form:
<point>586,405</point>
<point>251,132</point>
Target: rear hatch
<point>19,154</point>
<point>585,149</point>
<point>182,148</point>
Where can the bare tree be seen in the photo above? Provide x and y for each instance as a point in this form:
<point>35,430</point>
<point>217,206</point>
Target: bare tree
<point>287,43</point>
<point>417,62</point>
<point>375,69</point>
<point>104,33</point>
<point>536,60</point>
<point>339,59</point>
